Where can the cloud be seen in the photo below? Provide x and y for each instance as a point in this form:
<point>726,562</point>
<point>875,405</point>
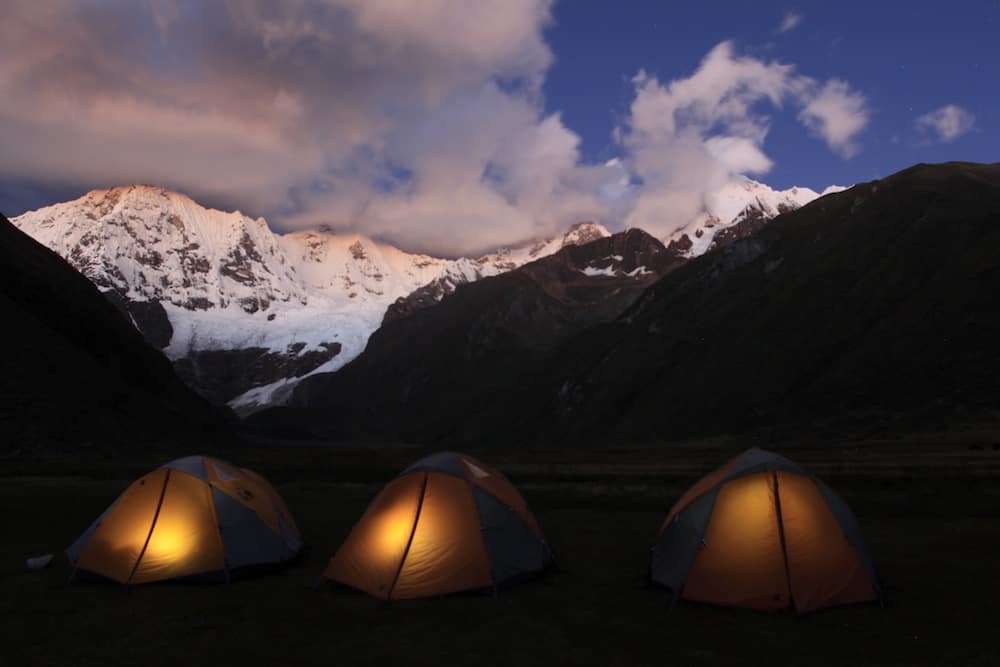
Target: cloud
<point>948,123</point>
<point>420,123</point>
<point>348,112</point>
<point>837,114</point>
<point>687,138</point>
<point>790,22</point>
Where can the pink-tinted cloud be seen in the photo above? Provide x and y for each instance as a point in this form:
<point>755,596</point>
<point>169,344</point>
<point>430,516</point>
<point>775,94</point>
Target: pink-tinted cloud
<point>418,122</point>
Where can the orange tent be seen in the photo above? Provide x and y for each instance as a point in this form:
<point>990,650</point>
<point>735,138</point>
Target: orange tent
<point>448,523</point>
<point>760,532</point>
<point>193,517</point>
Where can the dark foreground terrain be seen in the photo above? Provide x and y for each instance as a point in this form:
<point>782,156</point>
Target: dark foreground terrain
<point>931,514</point>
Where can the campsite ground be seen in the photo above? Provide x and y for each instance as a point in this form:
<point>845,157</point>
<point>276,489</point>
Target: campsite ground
<point>930,510</point>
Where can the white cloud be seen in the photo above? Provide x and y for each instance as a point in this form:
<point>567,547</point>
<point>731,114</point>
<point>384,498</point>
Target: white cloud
<point>790,22</point>
<point>948,123</point>
<point>687,138</point>
<point>837,114</point>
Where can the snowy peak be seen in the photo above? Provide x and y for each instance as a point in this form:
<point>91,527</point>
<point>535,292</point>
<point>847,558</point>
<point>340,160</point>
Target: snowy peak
<point>584,232</point>
<point>147,243</point>
<point>735,210</point>
<point>511,257</point>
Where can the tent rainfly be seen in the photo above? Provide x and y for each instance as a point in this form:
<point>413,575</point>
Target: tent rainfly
<point>761,533</point>
<point>195,517</point>
<point>448,523</point>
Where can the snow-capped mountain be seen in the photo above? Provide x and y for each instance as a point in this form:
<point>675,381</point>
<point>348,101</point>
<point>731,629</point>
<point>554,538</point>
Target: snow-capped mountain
<point>244,312</point>
<point>735,210</point>
<point>237,307</point>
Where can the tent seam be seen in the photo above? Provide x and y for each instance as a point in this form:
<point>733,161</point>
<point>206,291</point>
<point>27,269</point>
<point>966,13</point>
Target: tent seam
<point>409,542</point>
<point>781,535</point>
<point>152,527</point>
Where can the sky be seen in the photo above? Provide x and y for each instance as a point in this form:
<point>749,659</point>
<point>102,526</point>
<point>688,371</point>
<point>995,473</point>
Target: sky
<point>454,126</point>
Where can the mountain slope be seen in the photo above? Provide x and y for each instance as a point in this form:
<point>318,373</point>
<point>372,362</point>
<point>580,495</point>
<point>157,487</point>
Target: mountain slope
<point>75,371</point>
<point>869,309</point>
<point>465,270</point>
<point>446,369</point>
<point>864,307</point>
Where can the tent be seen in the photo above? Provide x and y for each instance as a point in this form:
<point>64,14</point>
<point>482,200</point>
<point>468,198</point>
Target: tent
<point>448,523</point>
<point>195,517</point>
<point>760,532</point>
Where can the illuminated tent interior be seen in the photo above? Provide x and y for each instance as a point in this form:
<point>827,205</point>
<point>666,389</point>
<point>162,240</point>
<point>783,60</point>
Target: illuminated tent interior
<point>448,523</point>
<point>195,517</point>
<point>761,533</point>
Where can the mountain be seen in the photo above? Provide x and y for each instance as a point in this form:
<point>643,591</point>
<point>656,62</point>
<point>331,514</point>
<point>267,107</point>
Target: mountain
<point>241,311</point>
<point>244,313</point>
<point>233,304</point>
<point>465,270</point>
<point>736,210</point>
<point>450,368</point>
<point>867,310</point>
<point>75,371</point>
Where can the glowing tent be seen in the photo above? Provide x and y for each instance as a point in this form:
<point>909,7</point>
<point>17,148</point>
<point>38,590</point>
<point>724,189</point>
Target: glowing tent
<point>193,517</point>
<point>448,523</point>
<point>760,532</point>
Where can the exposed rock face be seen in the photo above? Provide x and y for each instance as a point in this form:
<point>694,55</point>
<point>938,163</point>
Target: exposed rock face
<point>76,373</point>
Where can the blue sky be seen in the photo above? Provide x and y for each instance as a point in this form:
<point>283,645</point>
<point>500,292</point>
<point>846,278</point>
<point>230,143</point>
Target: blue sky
<point>451,126</point>
<point>908,58</point>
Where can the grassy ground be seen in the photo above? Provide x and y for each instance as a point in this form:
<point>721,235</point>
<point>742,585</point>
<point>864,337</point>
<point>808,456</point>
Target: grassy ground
<point>932,520</point>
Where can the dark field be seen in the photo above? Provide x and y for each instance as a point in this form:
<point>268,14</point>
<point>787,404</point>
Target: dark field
<point>931,514</point>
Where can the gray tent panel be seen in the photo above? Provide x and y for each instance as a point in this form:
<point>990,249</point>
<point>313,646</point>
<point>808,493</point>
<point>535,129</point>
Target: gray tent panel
<point>852,530</point>
<point>511,545</point>
<point>447,462</point>
<point>756,460</point>
<point>679,543</point>
<point>192,465</point>
<point>247,540</point>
